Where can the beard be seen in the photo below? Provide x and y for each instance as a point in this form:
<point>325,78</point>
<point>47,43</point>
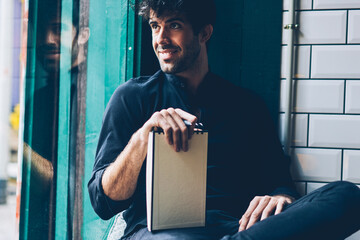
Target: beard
<point>190,53</point>
<point>49,55</point>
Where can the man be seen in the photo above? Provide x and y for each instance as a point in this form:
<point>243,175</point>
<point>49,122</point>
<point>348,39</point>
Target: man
<point>248,179</point>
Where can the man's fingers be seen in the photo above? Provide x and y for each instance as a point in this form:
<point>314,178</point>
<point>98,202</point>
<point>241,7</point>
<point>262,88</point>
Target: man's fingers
<point>183,129</point>
<point>269,209</point>
<point>172,122</point>
<point>261,208</point>
<point>256,214</point>
<point>247,215</point>
<point>190,118</point>
<point>280,206</point>
<point>174,130</point>
<point>240,225</point>
<point>158,120</point>
<point>187,116</point>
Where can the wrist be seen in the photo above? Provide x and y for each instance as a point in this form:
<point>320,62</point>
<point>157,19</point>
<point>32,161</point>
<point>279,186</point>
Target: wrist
<point>140,137</point>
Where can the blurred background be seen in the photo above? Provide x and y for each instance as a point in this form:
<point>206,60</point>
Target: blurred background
<point>10,84</point>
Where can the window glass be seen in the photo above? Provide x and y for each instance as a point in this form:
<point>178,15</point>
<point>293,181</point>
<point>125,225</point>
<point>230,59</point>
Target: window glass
<point>51,36</point>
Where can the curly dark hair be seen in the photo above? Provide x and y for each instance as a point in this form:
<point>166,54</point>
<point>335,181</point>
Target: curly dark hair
<point>198,12</point>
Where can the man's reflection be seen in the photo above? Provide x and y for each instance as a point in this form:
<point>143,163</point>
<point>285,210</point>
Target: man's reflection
<point>42,148</point>
<point>49,42</point>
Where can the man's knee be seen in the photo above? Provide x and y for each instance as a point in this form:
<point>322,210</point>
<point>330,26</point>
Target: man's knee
<point>346,192</point>
<point>345,187</point>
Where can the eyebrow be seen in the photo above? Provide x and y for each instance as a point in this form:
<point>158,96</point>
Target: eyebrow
<point>169,20</point>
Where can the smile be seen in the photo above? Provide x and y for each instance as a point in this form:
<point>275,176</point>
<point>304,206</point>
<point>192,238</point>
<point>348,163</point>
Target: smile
<point>167,54</point>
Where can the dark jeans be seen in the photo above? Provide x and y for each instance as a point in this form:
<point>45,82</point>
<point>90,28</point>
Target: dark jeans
<point>330,212</point>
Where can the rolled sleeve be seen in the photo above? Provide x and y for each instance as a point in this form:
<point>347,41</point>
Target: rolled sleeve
<point>122,117</point>
<point>285,191</point>
<point>104,206</point>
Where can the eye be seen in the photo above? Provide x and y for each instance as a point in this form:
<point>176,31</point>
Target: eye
<point>56,28</point>
<point>154,27</point>
<point>175,25</point>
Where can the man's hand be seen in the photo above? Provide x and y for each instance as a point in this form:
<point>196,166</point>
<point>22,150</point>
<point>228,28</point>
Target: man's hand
<point>261,208</point>
<point>120,178</point>
<point>171,121</point>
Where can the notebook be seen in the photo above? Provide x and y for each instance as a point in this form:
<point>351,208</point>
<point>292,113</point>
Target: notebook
<point>176,183</point>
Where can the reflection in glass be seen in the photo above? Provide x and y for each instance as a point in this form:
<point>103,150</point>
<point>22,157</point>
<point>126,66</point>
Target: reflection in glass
<point>42,116</point>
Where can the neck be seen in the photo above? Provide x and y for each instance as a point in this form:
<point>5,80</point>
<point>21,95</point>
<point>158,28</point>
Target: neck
<point>196,74</point>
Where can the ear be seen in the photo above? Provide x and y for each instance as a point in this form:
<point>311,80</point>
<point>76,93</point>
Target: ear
<point>83,36</point>
<point>205,33</point>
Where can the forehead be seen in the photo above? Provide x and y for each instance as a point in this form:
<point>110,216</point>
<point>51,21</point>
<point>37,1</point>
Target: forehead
<point>165,16</point>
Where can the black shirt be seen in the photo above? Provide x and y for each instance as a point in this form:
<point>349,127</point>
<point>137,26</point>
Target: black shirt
<point>245,158</point>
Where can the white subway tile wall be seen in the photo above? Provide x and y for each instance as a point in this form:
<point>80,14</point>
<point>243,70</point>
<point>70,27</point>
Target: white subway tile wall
<point>314,96</point>
<point>313,186</point>
<point>352,101</point>
<point>326,143</point>
<point>285,22</point>
<point>351,169</point>
<point>354,26</point>
<point>303,4</point>
<point>322,27</point>
<point>302,59</point>
<point>336,4</point>
<point>308,164</point>
<point>336,61</point>
<point>300,133</point>
<point>334,131</point>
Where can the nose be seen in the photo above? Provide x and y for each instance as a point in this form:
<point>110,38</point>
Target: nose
<point>52,38</point>
<point>163,36</point>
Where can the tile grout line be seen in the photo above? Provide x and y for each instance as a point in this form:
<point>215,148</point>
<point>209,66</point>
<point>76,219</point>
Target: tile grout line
<point>308,130</point>
<point>344,104</point>
<point>326,148</point>
<point>325,10</point>
<point>310,61</point>
<point>347,27</point>
<point>342,165</point>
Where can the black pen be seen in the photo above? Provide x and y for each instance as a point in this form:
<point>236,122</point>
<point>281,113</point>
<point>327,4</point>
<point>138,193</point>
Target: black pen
<point>197,125</point>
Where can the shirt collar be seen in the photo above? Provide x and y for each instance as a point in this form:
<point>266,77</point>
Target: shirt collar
<point>176,80</point>
<point>181,83</point>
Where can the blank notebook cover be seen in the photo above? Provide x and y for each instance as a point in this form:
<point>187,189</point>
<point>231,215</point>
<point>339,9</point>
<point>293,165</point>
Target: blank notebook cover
<point>176,183</point>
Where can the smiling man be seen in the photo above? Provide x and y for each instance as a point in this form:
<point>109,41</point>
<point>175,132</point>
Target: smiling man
<point>175,45</point>
<point>250,194</point>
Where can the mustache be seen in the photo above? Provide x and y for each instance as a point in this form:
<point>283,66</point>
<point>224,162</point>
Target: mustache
<point>166,47</point>
<point>49,48</point>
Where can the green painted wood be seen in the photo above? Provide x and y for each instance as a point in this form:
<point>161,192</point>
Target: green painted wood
<point>246,46</point>
<point>93,226</point>
<point>138,46</point>
<point>130,46</point>
<point>116,38</point>
<point>62,174</point>
<point>110,63</point>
